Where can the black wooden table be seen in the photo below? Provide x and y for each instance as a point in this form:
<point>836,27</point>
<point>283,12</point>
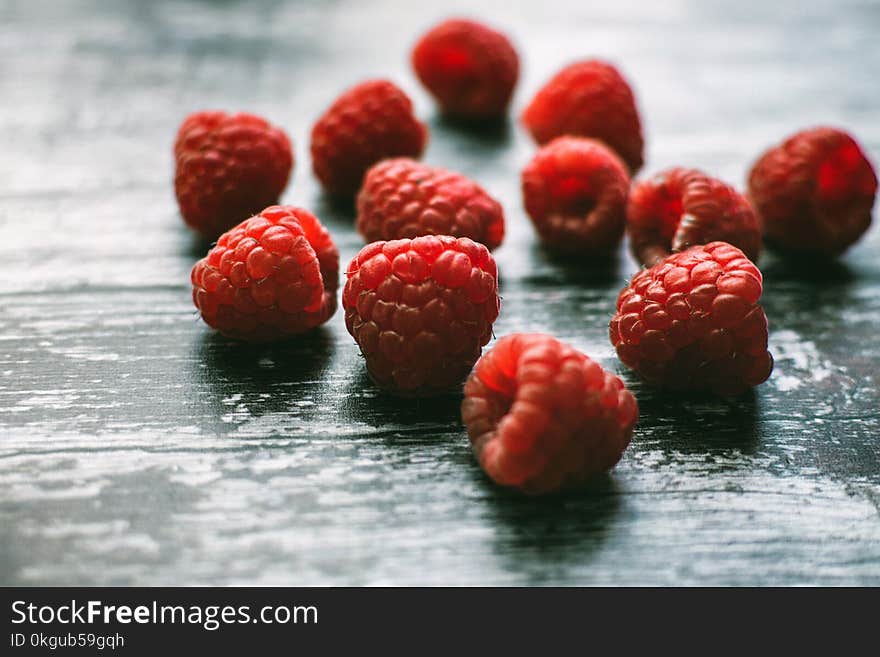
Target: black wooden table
<point>136,447</point>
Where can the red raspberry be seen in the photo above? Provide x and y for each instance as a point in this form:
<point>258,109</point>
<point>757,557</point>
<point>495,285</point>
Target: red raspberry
<point>814,192</point>
<point>589,99</point>
<point>227,167</point>
<point>693,321</point>
<point>574,190</point>
<point>403,198</point>
<point>469,68</point>
<point>272,276</point>
<point>369,122</point>
<point>421,310</point>
<point>679,208</point>
<point>542,416</point>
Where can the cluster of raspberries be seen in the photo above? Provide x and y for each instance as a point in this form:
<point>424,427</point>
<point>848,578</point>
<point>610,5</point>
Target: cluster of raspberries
<point>421,297</point>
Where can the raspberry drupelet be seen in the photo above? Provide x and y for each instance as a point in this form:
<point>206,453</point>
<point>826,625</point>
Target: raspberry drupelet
<point>693,321</point>
<point>273,276</point>
<point>227,167</point>
<point>574,190</point>
<point>814,192</point>
<point>679,208</point>
<point>402,198</point>
<point>370,122</point>
<point>588,99</point>
<point>421,310</point>
<point>468,67</point>
<point>542,416</point>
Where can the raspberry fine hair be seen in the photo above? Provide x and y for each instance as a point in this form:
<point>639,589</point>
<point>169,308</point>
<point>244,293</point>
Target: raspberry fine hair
<point>469,68</point>
<point>228,167</point>
<point>273,276</point>
<point>543,417</point>
<point>814,192</point>
<point>574,191</point>
<point>588,99</point>
<point>371,121</point>
<point>679,208</point>
<point>421,310</point>
<point>402,198</point>
<point>693,321</point>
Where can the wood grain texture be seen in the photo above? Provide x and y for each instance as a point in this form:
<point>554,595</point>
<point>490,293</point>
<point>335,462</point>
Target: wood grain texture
<point>136,447</point>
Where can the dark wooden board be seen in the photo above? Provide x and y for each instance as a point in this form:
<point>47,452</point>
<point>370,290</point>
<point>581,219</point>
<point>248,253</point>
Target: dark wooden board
<point>136,447</point>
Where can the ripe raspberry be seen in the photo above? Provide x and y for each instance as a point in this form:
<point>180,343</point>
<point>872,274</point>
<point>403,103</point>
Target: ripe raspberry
<point>588,99</point>
<point>272,276</point>
<point>693,321</point>
<point>814,192</point>
<point>421,310</point>
<point>575,190</point>
<point>542,416</point>
<point>403,198</point>
<point>227,167</point>
<point>369,122</point>
<point>468,67</point>
<point>679,208</point>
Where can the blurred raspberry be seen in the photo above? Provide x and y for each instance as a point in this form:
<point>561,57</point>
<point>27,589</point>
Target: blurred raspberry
<point>542,416</point>
<point>402,198</point>
<point>575,190</point>
<point>227,167</point>
<point>588,99</point>
<point>679,208</point>
<point>814,192</point>
<point>421,310</point>
<point>693,321</point>
<point>468,67</point>
<point>272,276</point>
<point>370,122</point>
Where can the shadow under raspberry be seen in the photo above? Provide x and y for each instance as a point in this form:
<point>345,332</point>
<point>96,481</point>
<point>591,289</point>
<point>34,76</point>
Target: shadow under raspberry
<point>197,246</point>
<point>806,293</point>
<point>817,269</point>
<point>696,422</point>
<point>495,132</point>
<point>572,268</point>
<point>365,402</point>
<point>552,530</point>
<point>257,379</point>
<point>335,210</point>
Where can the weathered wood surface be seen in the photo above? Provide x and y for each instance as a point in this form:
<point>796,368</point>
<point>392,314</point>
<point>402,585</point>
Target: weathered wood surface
<point>138,448</point>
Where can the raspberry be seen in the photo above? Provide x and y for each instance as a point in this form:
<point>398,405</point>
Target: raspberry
<point>679,208</point>
<point>272,276</point>
<point>542,416</point>
<point>227,167</point>
<point>693,321</point>
<point>814,192</point>
<point>421,310</point>
<point>369,122</point>
<point>588,99</point>
<point>468,67</point>
<point>575,190</point>
<point>403,198</point>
